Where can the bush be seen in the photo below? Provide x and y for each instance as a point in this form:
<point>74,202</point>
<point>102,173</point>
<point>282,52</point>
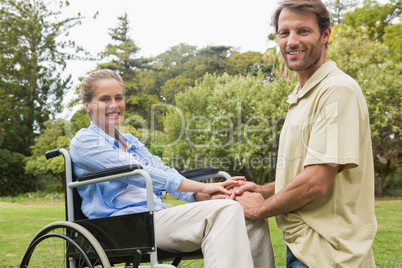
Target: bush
<point>13,179</point>
<point>393,184</point>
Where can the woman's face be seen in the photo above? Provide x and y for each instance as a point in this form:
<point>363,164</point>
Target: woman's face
<point>107,105</point>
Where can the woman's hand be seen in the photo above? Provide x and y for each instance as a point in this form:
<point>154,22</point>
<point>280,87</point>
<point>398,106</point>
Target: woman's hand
<point>234,182</point>
<point>219,190</point>
<point>202,197</point>
<point>222,187</point>
<point>232,185</point>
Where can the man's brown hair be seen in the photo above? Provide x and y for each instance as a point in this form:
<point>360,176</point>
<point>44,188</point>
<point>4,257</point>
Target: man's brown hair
<point>315,7</point>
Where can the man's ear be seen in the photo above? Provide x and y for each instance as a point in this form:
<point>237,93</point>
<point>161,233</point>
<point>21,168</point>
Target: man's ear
<point>326,35</point>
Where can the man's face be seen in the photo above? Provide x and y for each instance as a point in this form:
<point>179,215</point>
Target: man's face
<point>300,41</point>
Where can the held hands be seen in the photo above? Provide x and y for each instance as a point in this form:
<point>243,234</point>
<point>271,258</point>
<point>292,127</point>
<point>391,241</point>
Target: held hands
<point>223,187</point>
<point>219,190</point>
<point>248,194</point>
<point>231,186</point>
<point>243,186</point>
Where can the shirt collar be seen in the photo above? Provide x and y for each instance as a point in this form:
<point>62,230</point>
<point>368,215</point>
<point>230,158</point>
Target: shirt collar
<point>100,132</point>
<point>316,78</point>
<point>112,141</point>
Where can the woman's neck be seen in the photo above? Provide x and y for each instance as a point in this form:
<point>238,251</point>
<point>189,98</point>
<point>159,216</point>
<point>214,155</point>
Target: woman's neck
<point>111,132</point>
<point>120,140</point>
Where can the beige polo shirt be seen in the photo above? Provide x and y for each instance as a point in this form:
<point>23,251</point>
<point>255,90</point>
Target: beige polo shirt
<point>328,122</point>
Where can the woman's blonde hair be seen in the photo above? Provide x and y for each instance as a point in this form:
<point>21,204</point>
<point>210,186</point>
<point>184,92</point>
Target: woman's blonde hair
<point>88,85</point>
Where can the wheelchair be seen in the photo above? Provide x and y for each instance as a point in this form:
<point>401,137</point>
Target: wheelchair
<point>119,241</point>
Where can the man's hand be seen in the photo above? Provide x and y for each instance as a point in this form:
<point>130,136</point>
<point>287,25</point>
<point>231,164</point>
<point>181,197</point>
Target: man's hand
<point>238,189</point>
<point>248,187</point>
<point>243,187</point>
<point>251,202</point>
<point>231,185</point>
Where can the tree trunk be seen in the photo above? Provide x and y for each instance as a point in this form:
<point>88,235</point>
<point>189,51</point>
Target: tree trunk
<point>379,182</point>
<point>378,187</point>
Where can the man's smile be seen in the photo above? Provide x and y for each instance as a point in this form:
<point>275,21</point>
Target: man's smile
<point>295,52</point>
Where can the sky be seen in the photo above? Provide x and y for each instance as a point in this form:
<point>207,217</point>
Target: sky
<point>157,25</point>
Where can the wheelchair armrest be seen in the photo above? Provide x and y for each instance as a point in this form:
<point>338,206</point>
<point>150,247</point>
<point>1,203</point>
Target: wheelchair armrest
<point>108,172</point>
<point>204,173</point>
<point>192,174</point>
<point>125,171</point>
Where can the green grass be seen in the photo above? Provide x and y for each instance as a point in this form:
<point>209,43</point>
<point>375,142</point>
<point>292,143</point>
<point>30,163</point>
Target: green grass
<point>18,225</point>
<point>21,219</point>
<point>387,246</point>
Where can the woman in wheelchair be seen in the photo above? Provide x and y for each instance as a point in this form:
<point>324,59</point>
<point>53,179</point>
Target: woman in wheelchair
<point>217,226</point>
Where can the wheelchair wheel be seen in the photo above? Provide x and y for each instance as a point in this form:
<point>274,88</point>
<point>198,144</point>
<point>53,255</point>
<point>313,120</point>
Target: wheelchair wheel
<point>64,244</point>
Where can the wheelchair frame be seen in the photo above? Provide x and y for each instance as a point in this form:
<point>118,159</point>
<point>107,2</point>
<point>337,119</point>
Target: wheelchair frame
<point>104,242</point>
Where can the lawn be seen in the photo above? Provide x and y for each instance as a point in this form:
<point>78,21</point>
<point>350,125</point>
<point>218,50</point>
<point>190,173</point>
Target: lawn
<point>19,221</point>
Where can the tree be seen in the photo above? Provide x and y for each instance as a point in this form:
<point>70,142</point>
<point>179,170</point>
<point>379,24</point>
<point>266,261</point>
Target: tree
<point>11,167</point>
<point>384,96</point>
<point>354,51</point>
<point>366,61</point>
<point>32,59</point>
<point>373,18</point>
<point>58,134</point>
<point>184,65</point>
<point>49,172</point>
<point>231,122</point>
<point>393,40</point>
<point>122,56</point>
<point>193,65</point>
<point>372,45</point>
<point>246,63</point>
<point>168,65</point>
<point>338,8</point>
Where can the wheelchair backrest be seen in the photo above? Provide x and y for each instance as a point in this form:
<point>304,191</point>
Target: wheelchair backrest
<point>73,200</point>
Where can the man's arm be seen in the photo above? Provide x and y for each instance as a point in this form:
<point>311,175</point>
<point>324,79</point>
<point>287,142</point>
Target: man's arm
<point>312,183</point>
<point>268,190</point>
